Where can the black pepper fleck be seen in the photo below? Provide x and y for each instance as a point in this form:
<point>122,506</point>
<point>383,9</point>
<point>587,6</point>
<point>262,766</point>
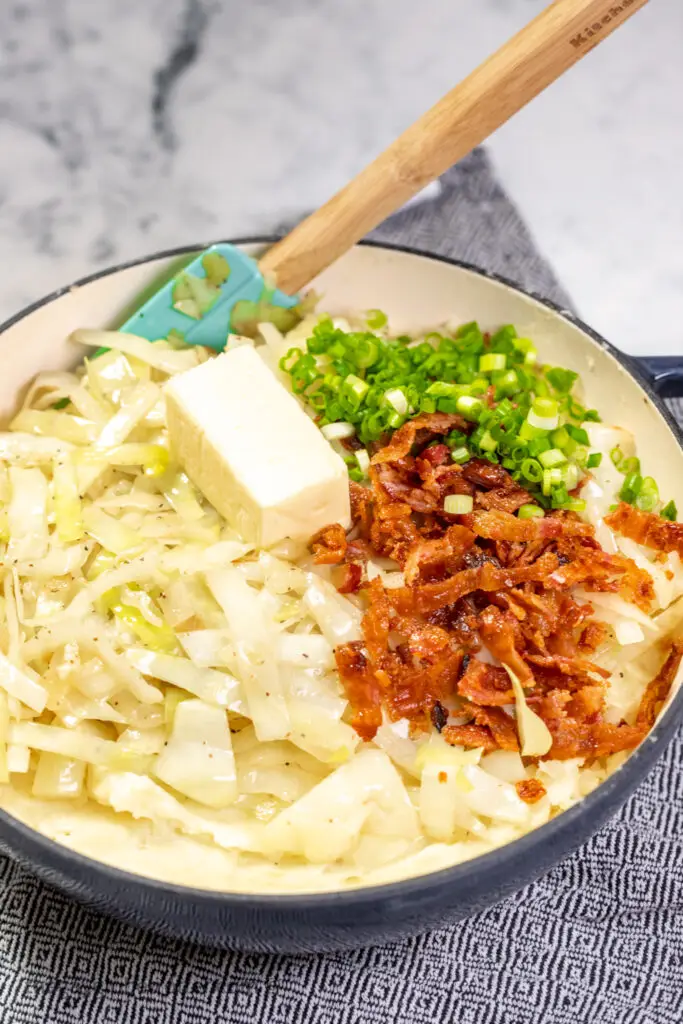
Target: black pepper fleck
<point>439,716</point>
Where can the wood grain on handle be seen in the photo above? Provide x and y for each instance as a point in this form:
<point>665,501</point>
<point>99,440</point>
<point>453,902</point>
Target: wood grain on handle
<point>468,114</point>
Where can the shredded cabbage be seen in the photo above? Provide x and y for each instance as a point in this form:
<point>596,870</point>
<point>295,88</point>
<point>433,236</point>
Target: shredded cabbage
<point>198,760</point>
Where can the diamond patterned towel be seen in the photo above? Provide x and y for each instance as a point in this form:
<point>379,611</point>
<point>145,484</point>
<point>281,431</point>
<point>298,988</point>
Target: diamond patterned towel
<point>599,940</point>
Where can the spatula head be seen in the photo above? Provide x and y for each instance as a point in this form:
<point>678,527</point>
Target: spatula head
<point>201,302</point>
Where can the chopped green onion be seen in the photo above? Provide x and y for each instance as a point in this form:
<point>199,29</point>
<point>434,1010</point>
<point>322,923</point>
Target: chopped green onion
<point>617,456</point>
<point>488,443</point>
<point>551,478</point>
<point>594,460</point>
<point>551,458</point>
<point>397,400</point>
<point>559,496</point>
<point>539,422</point>
<point>527,348</point>
<point>570,476</point>
<point>537,444</point>
<point>492,361</point>
<point>648,495</point>
<point>577,434</point>
<point>469,407</point>
<point>532,470</point>
<point>443,389</point>
<point>508,383</point>
<point>376,319</point>
<point>366,353</point>
<point>461,455</point>
<point>530,512</point>
<point>631,465</point>
<point>363,460</point>
<point>575,505</point>
<point>631,487</point>
<point>359,387</point>
<point>545,407</point>
<point>670,512</point>
<point>560,437</point>
<point>337,431</point>
<point>562,380</point>
<point>458,504</point>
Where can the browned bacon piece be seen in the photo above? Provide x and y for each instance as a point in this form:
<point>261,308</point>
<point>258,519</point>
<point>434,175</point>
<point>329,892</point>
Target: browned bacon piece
<point>487,475</point>
<point>351,578</point>
<point>501,634</point>
<point>438,555</point>
<point>502,499</point>
<point>646,528</point>
<point>487,577</point>
<point>502,726</point>
<point>498,525</point>
<point>485,684</point>
<point>530,790</point>
<point>658,688</point>
<point>362,689</point>
<point>329,545</point>
<point>470,736</point>
<point>420,428</point>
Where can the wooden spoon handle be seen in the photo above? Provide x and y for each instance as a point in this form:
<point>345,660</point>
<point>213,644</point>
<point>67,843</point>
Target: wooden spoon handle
<point>468,114</point>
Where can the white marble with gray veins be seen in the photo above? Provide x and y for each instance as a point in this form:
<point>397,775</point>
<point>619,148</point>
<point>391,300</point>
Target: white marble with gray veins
<point>132,125</point>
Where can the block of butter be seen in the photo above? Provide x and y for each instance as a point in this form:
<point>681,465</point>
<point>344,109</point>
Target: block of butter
<point>250,448</point>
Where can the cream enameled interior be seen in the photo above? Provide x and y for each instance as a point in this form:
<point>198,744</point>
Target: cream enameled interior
<point>417,293</point>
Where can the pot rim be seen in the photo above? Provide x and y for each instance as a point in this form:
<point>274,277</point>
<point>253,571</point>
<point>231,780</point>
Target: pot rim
<point>559,832</point>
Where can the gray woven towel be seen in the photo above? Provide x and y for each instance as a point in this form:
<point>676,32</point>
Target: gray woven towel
<point>598,940</point>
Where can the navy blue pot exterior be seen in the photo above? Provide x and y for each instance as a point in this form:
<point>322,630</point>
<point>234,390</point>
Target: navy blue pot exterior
<point>343,920</point>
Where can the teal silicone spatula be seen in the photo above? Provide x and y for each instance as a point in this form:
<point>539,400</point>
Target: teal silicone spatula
<point>213,294</point>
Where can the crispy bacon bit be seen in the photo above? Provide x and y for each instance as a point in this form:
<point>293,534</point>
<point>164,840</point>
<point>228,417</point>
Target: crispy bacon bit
<point>351,578</point>
<point>437,455</point>
<point>578,737</point>
<point>485,684</point>
<point>502,726</point>
<point>362,688</point>
<point>496,490</point>
<point>422,428</point>
<point>470,736</point>
<point>329,545</point>
<point>361,506</point>
<point>658,688</point>
<point>488,475</point>
<point>530,790</point>
<point>503,500</point>
<point>597,570</point>
<point>500,633</point>
<point>500,525</point>
<point>646,528</point>
<point>440,555</point>
<point>592,636</point>
<point>430,596</point>
<point>491,579</point>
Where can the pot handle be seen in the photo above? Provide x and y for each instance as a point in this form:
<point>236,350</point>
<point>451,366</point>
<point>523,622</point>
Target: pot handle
<point>666,374</point>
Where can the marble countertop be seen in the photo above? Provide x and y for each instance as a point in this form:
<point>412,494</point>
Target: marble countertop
<point>127,126</point>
